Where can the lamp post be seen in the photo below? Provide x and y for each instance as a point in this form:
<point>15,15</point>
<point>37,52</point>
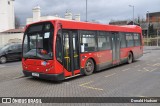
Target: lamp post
<point>86,10</point>
<point>148,27</point>
<point>157,38</point>
<point>133,12</point>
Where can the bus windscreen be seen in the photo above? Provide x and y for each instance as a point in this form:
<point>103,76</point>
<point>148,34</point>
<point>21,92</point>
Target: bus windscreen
<point>38,42</point>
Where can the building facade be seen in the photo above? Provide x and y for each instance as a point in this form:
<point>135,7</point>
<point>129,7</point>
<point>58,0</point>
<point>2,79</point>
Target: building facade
<point>11,36</point>
<point>150,26</point>
<point>37,16</point>
<point>153,17</point>
<point>7,17</point>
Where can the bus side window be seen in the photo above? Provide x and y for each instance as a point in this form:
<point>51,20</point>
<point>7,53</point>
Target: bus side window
<point>129,39</point>
<point>122,40</point>
<point>59,47</point>
<point>104,41</point>
<point>88,41</point>
<point>137,40</point>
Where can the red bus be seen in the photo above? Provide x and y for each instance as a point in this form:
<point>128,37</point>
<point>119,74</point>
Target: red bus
<point>61,49</point>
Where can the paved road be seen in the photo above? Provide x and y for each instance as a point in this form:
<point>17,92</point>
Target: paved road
<point>139,79</point>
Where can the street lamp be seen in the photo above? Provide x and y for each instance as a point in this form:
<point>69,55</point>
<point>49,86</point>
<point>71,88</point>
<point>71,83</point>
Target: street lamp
<point>157,37</point>
<point>133,12</point>
<point>86,10</point>
<point>148,27</point>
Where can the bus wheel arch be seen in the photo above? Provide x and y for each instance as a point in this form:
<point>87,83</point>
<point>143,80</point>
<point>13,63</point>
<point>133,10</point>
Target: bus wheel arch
<point>95,65</point>
<point>90,66</point>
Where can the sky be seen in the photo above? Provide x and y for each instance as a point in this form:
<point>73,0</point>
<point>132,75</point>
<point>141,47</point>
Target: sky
<point>102,11</point>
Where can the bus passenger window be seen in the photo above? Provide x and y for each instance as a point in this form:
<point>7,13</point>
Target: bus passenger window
<point>122,40</point>
<point>88,41</point>
<point>104,41</point>
<point>137,39</point>
<point>130,41</point>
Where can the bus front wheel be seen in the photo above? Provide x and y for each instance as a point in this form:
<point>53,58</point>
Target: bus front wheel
<point>130,58</point>
<point>89,67</point>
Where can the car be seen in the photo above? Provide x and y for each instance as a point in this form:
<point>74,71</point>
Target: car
<point>10,52</point>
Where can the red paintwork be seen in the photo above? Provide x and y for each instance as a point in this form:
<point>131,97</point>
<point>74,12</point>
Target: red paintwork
<point>99,57</point>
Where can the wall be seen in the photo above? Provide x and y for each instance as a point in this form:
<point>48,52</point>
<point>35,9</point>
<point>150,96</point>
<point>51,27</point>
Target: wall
<point>8,37</point>
<point>7,18</point>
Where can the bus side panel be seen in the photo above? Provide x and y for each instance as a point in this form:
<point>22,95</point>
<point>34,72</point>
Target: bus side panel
<point>85,56</point>
<point>123,54</point>
<point>105,59</point>
<point>58,68</point>
<point>137,52</point>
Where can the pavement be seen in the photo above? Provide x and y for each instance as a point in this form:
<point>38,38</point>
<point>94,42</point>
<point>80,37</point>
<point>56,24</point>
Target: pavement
<point>139,79</point>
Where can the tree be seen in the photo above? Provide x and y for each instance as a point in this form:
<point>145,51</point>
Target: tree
<point>151,29</point>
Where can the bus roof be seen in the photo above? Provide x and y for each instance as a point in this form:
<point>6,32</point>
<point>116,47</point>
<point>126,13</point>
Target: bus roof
<point>71,24</point>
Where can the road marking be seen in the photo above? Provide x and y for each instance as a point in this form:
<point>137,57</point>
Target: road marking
<point>157,64</point>
<point>146,69</point>
<point>89,87</point>
<point>86,83</point>
<point>110,75</point>
<point>137,66</point>
<point>125,69</point>
<point>153,70</point>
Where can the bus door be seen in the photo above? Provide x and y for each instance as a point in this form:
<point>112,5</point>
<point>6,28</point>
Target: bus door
<point>71,51</point>
<point>115,48</point>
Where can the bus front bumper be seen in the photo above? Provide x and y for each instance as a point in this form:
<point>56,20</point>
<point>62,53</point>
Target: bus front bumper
<point>52,77</point>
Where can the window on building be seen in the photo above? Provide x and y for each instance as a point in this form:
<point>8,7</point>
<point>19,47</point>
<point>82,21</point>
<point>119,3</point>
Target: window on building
<point>129,39</point>
<point>122,40</point>
<point>137,39</point>
<point>88,41</point>
<point>104,41</point>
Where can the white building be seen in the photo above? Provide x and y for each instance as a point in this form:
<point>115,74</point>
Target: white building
<point>8,33</point>
<point>7,17</point>
<point>11,36</point>
<point>37,16</point>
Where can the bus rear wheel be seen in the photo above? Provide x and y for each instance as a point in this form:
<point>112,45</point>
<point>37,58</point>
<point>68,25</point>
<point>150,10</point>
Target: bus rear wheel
<point>89,67</point>
<point>130,58</point>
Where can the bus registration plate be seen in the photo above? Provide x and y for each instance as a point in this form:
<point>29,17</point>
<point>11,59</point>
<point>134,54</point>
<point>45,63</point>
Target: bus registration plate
<point>35,74</point>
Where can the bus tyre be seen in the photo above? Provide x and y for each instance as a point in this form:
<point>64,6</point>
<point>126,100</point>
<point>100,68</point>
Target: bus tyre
<point>3,60</point>
<point>130,58</point>
<point>89,67</point>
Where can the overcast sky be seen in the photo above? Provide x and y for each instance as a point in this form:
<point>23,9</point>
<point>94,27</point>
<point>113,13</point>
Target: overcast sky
<point>99,10</point>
